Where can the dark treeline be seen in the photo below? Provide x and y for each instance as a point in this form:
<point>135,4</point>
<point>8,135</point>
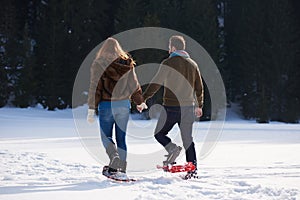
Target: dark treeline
<point>255,45</point>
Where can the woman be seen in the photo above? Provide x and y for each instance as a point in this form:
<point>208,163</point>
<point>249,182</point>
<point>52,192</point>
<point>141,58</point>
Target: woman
<point>113,83</point>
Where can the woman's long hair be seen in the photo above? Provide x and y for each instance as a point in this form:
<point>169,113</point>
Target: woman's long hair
<point>111,49</point>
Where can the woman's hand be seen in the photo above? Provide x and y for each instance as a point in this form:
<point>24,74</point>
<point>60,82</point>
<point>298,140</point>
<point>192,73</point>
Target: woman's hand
<point>141,107</point>
<point>91,116</point>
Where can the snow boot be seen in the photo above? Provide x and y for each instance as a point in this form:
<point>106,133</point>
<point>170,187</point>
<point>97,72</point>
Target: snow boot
<point>122,166</point>
<point>173,152</point>
<point>121,174</point>
<point>114,157</point>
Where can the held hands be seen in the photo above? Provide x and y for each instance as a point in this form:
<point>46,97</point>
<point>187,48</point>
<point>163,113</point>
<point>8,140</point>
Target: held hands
<point>91,116</point>
<point>141,107</point>
<point>198,112</point>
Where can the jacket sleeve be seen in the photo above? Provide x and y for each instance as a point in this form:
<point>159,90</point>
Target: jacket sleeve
<point>94,96</point>
<point>199,92</point>
<point>135,88</point>
<point>156,82</point>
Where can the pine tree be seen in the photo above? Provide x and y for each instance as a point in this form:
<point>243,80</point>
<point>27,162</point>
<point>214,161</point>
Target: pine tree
<point>233,15</point>
<point>87,24</point>
<point>68,30</point>
<point>244,43</point>
<point>262,48</point>
<point>203,26</point>
<point>223,64</point>
<point>47,51</point>
<point>283,42</point>
<point>6,18</point>
<point>25,84</point>
<point>130,15</point>
<point>4,94</point>
<point>172,14</point>
<point>8,50</point>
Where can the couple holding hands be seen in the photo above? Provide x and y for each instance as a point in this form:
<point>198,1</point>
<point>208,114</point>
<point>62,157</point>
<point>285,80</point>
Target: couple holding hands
<point>113,83</point>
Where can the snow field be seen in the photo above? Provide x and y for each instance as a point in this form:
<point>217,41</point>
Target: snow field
<point>43,158</point>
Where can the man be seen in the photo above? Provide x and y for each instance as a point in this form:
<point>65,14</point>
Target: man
<point>183,97</point>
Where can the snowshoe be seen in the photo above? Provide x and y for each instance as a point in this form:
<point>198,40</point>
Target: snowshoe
<point>116,175</point>
<point>172,168</point>
<point>190,174</point>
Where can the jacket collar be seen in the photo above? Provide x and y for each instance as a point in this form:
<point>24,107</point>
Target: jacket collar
<point>181,53</point>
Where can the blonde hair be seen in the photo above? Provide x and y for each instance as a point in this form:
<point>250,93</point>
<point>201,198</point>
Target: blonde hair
<point>111,49</point>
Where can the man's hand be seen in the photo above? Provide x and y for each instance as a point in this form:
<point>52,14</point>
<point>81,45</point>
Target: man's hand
<point>91,116</point>
<point>198,112</point>
<point>141,107</point>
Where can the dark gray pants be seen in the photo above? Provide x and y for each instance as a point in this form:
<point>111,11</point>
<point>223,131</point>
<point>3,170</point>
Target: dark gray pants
<point>184,116</point>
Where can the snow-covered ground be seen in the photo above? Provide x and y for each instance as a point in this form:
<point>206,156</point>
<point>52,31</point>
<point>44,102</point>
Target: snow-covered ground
<point>42,157</point>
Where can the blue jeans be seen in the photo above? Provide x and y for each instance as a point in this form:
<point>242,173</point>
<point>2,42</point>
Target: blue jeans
<point>110,114</point>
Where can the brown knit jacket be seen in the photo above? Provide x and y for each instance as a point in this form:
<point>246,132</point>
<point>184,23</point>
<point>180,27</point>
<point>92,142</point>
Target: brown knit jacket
<point>113,81</point>
<point>181,80</point>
